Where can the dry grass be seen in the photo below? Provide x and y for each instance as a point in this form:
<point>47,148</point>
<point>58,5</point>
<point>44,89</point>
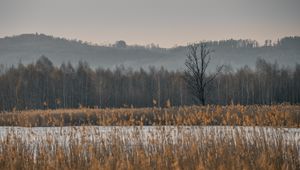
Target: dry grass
<point>203,152</point>
<point>253,115</point>
<point>188,153</point>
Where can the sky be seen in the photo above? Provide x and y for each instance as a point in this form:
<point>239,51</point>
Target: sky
<point>164,22</point>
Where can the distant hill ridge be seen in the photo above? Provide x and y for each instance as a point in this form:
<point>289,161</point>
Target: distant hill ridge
<point>27,48</point>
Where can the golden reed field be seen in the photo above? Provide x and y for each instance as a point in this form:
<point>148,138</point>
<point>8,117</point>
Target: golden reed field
<point>233,115</point>
<point>192,151</point>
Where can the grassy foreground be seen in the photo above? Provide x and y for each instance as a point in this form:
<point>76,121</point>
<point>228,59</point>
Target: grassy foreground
<point>192,151</point>
<point>189,152</point>
<point>253,115</point>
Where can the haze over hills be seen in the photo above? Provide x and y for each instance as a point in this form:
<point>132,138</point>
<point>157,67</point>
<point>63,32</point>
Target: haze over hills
<point>27,48</point>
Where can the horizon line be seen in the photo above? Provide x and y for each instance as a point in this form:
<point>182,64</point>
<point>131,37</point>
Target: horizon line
<point>109,44</point>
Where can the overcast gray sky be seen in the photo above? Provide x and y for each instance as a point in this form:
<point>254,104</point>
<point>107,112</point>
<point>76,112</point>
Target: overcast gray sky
<point>164,22</point>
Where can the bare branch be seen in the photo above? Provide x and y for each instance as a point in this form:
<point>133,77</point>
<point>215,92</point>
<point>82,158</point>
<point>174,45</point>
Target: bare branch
<point>195,74</point>
<point>218,70</point>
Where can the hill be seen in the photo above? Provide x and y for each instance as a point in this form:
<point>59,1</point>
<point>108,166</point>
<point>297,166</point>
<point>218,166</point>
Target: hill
<point>27,48</point>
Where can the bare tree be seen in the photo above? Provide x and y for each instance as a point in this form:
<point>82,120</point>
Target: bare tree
<point>196,72</point>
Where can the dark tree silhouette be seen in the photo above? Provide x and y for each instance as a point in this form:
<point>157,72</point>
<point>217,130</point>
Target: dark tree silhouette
<point>121,44</point>
<point>196,70</point>
<point>42,85</point>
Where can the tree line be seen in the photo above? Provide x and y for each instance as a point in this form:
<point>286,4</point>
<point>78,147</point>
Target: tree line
<point>41,85</point>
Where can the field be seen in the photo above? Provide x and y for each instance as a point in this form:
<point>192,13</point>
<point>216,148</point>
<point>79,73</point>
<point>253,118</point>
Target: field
<point>211,115</point>
<point>210,137</point>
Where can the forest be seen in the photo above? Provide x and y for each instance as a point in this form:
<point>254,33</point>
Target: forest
<point>42,85</point>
